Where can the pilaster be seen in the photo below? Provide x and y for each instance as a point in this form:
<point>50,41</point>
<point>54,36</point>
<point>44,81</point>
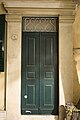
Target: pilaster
<point>13,35</point>
<point>65,59</point>
<point>13,66</point>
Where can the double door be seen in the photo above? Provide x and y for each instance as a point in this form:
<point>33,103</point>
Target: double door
<point>39,84</point>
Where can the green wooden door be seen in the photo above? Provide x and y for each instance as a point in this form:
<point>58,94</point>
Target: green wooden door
<point>39,73</point>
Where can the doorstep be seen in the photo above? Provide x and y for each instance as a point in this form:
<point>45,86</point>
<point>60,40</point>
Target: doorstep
<point>2,115</point>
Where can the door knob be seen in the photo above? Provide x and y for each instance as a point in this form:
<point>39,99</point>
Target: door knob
<point>25,96</point>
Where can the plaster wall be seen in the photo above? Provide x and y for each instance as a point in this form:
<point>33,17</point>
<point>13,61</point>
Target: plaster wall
<point>2,90</point>
<point>76,41</point>
<point>65,63</point>
<point>13,75</point>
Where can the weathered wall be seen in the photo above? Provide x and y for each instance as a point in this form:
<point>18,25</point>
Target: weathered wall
<point>13,68</point>
<point>76,40</point>
<point>14,62</point>
<point>14,32</point>
<point>2,88</point>
<point>65,62</point>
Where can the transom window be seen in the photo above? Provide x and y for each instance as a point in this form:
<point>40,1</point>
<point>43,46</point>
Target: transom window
<point>39,24</point>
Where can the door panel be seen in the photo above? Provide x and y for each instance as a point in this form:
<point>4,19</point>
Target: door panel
<point>30,73</point>
<point>47,72</point>
<point>39,67</point>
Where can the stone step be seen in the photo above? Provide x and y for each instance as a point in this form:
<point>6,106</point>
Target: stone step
<point>2,115</point>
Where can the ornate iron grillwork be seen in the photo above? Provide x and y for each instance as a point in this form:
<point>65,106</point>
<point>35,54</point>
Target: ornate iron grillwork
<point>39,24</point>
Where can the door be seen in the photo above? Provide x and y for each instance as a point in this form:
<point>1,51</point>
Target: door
<point>39,73</point>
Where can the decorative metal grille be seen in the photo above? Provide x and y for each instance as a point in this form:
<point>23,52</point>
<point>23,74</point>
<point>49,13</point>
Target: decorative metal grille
<point>39,24</point>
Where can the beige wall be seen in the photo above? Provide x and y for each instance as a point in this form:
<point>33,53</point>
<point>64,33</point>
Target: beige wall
<point>76,39</point>
<point>76,83</point>
<point>14,62</point>
<point>13,68</point>
<point>65,62</point>
<point>14,32</point>
<point>2,90</point>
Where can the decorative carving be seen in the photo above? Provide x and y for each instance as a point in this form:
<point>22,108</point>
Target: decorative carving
<point>39,24</point>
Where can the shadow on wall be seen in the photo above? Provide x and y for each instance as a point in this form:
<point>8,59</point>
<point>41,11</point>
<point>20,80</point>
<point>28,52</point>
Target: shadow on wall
<point>76,84</point>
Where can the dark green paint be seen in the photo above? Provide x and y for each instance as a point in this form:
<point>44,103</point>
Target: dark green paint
<point>39,70</point>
